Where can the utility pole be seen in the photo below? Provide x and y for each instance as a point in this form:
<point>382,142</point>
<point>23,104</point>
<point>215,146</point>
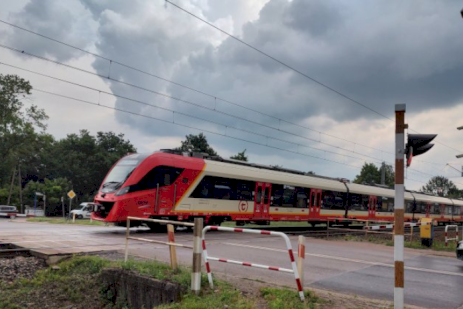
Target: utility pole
<point>399,206</point>
<point>383,173</point>
<point>11,186</point>
<point>20,189</point>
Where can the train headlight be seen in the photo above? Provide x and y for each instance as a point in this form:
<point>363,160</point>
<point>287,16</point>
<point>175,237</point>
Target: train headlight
<point>123,191</point>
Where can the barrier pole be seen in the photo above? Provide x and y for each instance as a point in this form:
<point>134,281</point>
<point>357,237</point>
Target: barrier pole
<point>300,258</point>
<point>73,218</point>
<point>173,252</point>
<point>399,207</point>
<point>197,252</point>
<point>127,234</point>
<point>366,230</point>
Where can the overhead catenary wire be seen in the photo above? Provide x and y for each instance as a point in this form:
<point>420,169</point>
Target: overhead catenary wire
<point>190,88</point>
<point>185,101</point>
<point>188,115</point>
<point>324,85</point>
<point>192,127</point>
<point>145,89</point>
<point>184,114</point>
<point>183,86</point>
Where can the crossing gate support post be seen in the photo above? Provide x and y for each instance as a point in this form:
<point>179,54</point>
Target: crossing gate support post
<point>197,252</point>
<point>239,230</point>
<point>399,207</point>
<point>127,234</point>
<point>172,251</point>
<point>301,258</point>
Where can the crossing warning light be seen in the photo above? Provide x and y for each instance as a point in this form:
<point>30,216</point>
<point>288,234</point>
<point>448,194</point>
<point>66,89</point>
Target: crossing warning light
<point>418,144</point>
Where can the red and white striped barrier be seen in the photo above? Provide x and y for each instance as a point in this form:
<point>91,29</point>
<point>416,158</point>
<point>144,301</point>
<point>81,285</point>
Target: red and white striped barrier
<point>391,226</point>
<point>238,230</point>
<point>456,238</point>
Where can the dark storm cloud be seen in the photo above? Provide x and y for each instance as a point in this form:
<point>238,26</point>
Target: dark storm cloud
<point>62,20</point>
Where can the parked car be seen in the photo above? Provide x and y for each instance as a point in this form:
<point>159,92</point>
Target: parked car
<point>85,210</point>
<point>8,209</point>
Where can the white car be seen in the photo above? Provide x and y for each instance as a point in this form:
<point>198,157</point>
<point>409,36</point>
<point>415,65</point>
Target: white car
<point>85,211</point>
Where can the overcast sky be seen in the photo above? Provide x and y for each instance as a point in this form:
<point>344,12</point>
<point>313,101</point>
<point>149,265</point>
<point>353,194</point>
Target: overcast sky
<point>378,53</point>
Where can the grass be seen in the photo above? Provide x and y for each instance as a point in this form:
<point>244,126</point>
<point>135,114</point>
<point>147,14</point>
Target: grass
<point>438,245</point>
<point>285,298</point>
<point>57,220</point>
<point>76,283</point>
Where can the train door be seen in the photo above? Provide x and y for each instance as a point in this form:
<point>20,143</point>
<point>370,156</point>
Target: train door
<point>372,201</point>
<point>428,209</point>
<point>262,200</point>
<point>442,211</point>
<point>315,202</point>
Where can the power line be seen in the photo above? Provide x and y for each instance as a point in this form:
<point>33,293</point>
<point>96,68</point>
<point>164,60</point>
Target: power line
<point>175,98</point>
<point>176,112</point>
<point>180,113</point>
<point>191,127</point>
<point>178,84</point>
<point>292,68</point>
<point>186,87</point>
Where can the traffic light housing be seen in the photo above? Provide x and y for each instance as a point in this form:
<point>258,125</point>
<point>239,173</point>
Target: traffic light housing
<point>418,144</point>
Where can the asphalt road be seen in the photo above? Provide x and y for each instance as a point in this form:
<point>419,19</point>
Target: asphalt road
<point>348,267</point>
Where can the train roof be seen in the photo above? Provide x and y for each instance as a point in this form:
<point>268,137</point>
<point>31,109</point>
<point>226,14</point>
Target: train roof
<point>221,167</point>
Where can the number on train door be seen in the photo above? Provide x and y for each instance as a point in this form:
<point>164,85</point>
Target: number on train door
<point>315,202</point>
<point>262,200</point>
<point>372,201</point>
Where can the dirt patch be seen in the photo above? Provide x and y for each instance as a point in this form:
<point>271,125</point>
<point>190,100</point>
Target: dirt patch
<point>19,267</point>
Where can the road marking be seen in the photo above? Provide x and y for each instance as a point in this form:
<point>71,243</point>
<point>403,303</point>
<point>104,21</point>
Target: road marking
<point>351,260</point>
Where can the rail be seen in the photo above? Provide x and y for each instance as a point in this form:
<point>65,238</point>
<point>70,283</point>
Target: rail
<point>294,269</point>
<point>456,238</point>
<point>197,228</point>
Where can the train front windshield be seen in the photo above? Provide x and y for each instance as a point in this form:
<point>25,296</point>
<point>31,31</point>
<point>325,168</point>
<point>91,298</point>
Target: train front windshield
<point>121,172</point>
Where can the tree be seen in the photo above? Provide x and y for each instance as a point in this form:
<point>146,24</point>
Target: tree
<point>17,124</point>
<point>241,156</point>
<point>370,174</point>
<point>442,186</point>
<point>53,189</point>
<point>197,143</point>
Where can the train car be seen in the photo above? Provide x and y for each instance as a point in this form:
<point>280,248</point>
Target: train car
<point>177,186</point>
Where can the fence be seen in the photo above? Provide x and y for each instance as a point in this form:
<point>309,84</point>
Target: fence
<point>197,227</point>
<point>294,269</point>
<point>456,238</point>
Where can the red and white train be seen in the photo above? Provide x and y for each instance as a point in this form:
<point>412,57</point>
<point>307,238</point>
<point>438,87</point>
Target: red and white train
<point>177,186</point>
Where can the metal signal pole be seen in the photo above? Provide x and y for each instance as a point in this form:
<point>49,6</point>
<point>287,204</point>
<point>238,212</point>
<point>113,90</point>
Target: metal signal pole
<point>399,207</point>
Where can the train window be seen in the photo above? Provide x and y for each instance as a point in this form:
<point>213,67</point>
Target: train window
<point>448,210</point>
<point>244,190</point>
<point>456,210</point>
<point>162,175</point>
<point>259,195</point>
<point>302,197</point>
<point>224,189</point>
<point>435,209</point>
<point>266,195</point>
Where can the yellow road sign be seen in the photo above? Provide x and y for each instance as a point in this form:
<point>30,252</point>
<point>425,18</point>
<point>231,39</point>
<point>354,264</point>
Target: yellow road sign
<point>71,194</point>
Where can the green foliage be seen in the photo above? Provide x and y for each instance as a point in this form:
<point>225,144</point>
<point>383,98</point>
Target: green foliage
<point>442,186</point>
<point>284,298</point>
<point>241,156</point>
<point>53,189</point>
<point>197,143</point>
<point>370,174</point>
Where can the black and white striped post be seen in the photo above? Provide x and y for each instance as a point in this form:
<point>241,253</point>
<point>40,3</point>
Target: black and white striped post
<point>197,252</point>
<point>399,207</point>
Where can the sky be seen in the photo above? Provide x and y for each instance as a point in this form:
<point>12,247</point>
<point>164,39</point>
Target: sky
<point>174,75</point>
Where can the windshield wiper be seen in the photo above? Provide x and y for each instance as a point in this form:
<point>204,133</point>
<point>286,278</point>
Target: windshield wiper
<point>106,184</point>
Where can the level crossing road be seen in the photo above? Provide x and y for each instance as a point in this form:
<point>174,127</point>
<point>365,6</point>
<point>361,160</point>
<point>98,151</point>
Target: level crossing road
<point>354,268</point>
